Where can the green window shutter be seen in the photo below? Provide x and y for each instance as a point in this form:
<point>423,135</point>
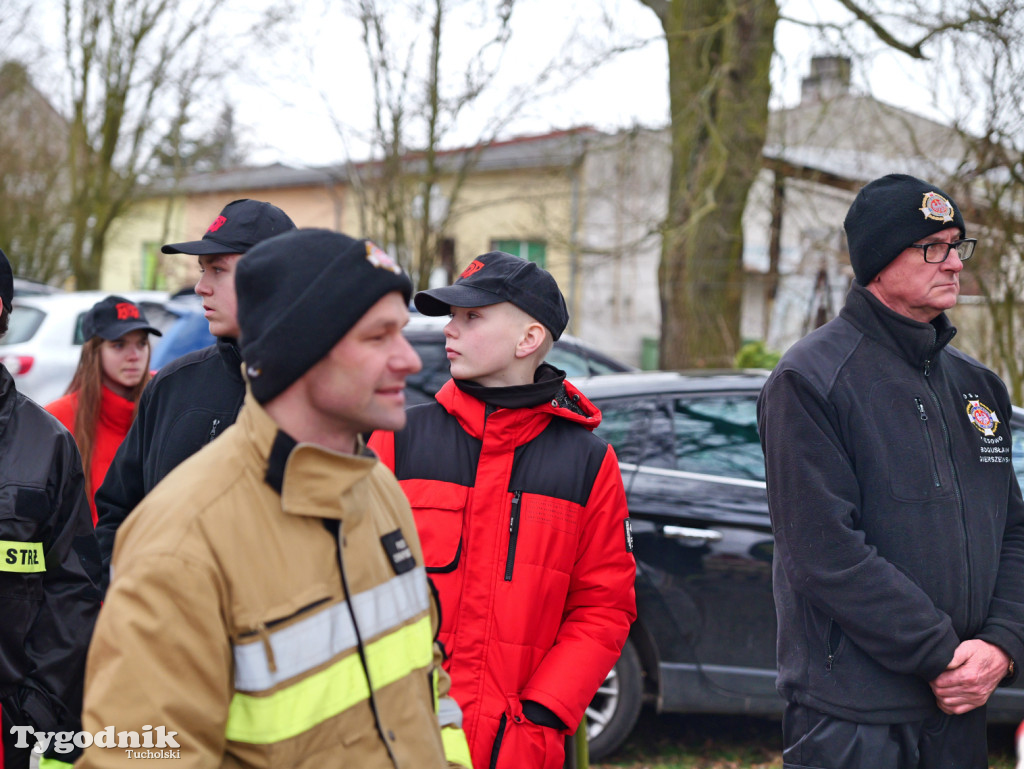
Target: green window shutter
<point>508,246</point>
<point>537,253</point>
<point>532,250</point>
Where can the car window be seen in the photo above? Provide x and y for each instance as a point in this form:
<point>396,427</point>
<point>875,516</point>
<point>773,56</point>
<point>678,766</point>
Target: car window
<point>576,362</point>
<point>640,431</point>
<point>718,436</point>
<point>1018,453</point>
<point>24,323</point>
<point>424,383</point>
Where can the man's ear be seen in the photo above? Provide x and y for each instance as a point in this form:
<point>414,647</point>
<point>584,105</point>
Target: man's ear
<point>531,340</point>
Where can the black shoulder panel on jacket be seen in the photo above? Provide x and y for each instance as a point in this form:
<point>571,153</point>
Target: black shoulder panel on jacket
<point>562,462</point>
<point>451,454</point>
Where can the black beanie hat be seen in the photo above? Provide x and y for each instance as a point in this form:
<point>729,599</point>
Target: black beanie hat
<point>299,293</point>
<point>890,214</point>
<point>6,282</point>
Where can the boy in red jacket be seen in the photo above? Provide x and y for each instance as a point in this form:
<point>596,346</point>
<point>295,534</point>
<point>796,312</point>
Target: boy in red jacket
<point>522,516</point>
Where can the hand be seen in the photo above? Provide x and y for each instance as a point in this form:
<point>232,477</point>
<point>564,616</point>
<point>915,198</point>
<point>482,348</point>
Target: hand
<point>970,678</point>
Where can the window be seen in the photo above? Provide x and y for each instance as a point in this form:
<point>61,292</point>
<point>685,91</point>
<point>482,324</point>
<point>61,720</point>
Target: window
<point>640,431</point>
<point>23,324</point>
<point>532,250</point>
<point>714,435</point>
<point>718,436</point>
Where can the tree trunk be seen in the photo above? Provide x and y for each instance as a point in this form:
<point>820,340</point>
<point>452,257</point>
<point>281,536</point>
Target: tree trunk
<point>719,52</point>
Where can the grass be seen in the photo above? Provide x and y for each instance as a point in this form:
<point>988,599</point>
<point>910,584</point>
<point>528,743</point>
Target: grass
<point>673,741</point>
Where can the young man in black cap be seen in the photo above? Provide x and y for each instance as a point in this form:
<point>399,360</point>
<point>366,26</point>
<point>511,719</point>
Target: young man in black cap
<point>899,525</point>
<point>49,568</point>
<point>268,603</point>
<point>194,398</point>
<point>522,515</point>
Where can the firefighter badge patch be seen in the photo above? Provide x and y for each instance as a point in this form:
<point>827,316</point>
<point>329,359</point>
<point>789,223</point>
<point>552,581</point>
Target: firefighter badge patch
<point>936,207</point>
<point>982,417</point>
<point>380,259</point>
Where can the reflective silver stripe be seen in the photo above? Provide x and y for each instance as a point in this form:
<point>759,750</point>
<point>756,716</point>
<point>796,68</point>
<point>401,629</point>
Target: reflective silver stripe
<point>449,713</point>
<point>318,639</point>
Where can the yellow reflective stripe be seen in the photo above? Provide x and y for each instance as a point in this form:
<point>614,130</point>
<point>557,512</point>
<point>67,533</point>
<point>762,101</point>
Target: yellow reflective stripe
<point>301,706</point>
<point>22,557</point>
<point>316,640</point>
<point>53,763</point>
<point>456,748</point>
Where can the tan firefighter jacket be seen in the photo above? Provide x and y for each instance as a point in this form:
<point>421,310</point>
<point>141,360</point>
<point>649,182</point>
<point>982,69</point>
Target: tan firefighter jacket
<point>269,607</point>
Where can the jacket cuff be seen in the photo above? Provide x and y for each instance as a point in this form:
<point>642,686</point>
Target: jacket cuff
<point>542,716</point>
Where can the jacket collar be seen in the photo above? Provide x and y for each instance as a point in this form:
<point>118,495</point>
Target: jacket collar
<point>115,411</point>
<point>474,415</point>
<point>312,481</point>
<point>231,355</point>
<point>918,343</point>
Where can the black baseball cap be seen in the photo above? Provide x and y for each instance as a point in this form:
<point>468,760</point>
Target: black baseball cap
<point>499,277</point>
<point>6,282</point>
<point>240,226</point>
<point>113,317</point>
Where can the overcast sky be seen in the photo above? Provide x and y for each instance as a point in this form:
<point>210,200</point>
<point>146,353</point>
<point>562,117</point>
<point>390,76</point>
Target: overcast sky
<point>291,122</point>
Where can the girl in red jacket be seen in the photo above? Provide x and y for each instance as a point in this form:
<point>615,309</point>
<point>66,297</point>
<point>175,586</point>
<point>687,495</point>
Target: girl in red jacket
<point>100,402</point>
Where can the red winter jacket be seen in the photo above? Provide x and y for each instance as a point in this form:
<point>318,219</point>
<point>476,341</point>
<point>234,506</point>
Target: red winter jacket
<point>522,516</point>
<point>116,414</point>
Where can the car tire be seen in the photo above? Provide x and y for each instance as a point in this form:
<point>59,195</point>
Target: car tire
<point>613,712</point>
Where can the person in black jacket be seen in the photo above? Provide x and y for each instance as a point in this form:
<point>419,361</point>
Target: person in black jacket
<point>898,520</point>
<point>49,568</point>
<point>196,397</point>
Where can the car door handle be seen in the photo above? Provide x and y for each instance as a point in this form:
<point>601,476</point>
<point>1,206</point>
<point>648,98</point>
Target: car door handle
<point>687,534</point>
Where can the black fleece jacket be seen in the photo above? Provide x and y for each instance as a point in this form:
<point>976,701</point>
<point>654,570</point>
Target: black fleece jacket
<point>190,401</point>
<point>898,521</point>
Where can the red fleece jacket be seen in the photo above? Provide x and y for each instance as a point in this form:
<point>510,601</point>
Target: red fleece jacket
<point>115,419</point>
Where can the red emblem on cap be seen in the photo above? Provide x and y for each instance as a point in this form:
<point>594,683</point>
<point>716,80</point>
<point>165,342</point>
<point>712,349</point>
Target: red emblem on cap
<point>474,267</point>
<point>126,311</point>
<point>217,224</point>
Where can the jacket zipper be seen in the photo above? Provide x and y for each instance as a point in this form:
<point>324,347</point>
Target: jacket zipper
<point>828,644</point>
<point>513,534</point>
<point>213,430</point>
<point>928,440</point>
<point>956,490</point>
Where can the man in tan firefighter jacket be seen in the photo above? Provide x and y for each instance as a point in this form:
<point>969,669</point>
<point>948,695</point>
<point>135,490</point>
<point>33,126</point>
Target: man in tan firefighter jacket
<point>268,603</point>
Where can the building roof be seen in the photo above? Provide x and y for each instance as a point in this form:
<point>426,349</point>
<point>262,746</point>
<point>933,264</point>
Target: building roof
<point>556,149</point>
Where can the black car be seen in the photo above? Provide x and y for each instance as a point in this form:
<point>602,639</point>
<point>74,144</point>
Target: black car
<point>704,638</point>
<point>426,335</point>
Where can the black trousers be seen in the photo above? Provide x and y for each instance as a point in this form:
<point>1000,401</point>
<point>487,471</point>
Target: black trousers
<point>815,740</point>
<point>14,758</point>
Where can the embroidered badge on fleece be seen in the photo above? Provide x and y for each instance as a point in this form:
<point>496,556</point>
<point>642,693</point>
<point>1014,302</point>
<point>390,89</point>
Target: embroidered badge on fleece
<point>982,417</point>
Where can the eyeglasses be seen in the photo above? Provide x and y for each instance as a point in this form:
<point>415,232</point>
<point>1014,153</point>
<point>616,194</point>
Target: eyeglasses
<point>935,253</point>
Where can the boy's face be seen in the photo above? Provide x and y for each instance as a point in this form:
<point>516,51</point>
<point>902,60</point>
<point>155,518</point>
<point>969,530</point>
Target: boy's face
<point>481,344</point>
<point>216,286</point>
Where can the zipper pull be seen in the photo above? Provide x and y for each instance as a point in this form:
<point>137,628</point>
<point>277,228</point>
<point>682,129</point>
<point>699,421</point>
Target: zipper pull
<point>927,367</point>
<point>828,663</point>
<point>513,535</point>
<point>920,410</point>
<point>213,430</point>
<point>265,638</point>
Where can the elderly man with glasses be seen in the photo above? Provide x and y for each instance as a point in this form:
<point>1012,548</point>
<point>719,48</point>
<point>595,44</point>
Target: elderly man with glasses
<point>899,524</point>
